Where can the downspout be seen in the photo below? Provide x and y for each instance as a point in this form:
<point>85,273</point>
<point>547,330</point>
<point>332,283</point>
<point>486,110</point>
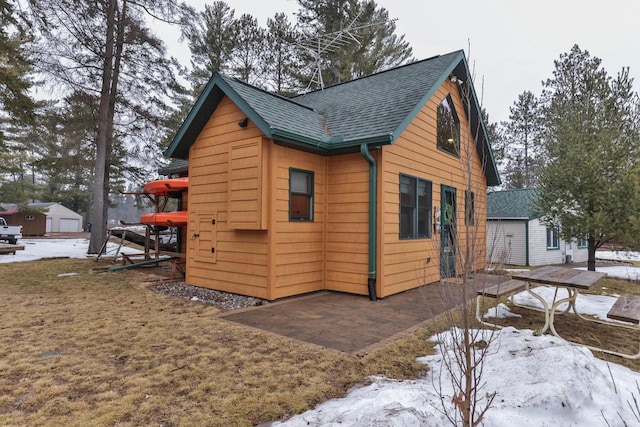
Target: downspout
<point>373,189</point>
<point>526,240</point>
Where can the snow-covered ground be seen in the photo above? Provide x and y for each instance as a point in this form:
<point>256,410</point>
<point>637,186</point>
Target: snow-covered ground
<point>538,380</point>
<point>58,248</point>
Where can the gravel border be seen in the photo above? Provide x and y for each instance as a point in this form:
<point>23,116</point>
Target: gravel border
<point>223,300</point>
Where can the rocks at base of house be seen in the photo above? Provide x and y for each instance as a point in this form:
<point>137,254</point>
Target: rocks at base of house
<point>222,300</point>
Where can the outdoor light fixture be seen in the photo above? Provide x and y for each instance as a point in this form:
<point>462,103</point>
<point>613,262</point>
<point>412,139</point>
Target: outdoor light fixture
<point>244,122</point>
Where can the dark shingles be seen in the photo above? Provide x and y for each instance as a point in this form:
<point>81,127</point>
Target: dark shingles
<point>512,204</point>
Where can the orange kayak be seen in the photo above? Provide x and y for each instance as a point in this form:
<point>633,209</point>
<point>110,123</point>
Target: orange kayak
<point>164,186</point>
<point>165,219</point>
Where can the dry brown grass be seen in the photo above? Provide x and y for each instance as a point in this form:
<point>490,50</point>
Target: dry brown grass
<point>99,349</point>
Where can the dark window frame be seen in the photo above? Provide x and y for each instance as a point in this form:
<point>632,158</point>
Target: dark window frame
<point>300,195</point>
<point>415,221</point>
<point>448,128</point>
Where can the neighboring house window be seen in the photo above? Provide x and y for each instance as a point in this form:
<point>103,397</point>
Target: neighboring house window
<point>448,127</point>
<point>583,243</point>
<point>470,207</point>
<point>300,195</point>
<point>29,218</point>
<point>553,241</point>
<point>415,207</point>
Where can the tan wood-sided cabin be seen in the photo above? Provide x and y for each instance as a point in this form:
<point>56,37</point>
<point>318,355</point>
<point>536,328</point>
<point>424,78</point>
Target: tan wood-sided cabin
<point>32,220</point>
<point>355,188</point>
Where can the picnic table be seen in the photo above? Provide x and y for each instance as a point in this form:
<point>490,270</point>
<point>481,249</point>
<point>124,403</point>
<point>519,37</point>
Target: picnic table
<point>10,249</point>
<point>571,279</point>
<point>625,309</point>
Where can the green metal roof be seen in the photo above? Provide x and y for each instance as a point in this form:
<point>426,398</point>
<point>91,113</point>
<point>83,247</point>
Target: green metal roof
<point>513,204</point>
<point>372,110</point>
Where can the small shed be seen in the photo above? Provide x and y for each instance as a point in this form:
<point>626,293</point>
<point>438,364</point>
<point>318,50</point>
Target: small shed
<point>33,221</point>
<point>517,236</point>
<point>60,219</point>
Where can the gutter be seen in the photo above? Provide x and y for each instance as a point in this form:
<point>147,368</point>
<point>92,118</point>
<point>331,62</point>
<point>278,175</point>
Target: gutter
<point>373,189</point>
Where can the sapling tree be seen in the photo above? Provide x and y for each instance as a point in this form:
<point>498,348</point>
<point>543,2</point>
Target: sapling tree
<point>465,347</point>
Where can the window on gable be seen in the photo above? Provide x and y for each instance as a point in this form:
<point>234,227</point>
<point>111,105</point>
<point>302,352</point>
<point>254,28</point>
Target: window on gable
<point>415,207</point>
<point>470,207</point>
<point>300,195</point>
<point>553,241</point>
<point>448,127</point>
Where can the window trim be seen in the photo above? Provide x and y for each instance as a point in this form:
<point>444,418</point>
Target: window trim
<point>416,206</point>
<point>456,120</point>
<point>310,195</point>
<point>555,236</point>
<point>586,243</point>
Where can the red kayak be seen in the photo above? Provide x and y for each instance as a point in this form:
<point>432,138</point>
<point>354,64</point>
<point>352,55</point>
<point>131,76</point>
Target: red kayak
<point>165,219</point>
<point>162,187</point>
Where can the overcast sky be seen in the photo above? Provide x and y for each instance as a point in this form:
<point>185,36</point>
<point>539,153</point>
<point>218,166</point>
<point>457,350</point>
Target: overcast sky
<point>513,43</point>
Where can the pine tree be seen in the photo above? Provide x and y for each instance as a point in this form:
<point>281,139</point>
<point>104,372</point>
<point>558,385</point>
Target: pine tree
<point>105,48</point>
<point>522,143</point>
<point>212,40</point>
<point>377,47</point>
<point>589,185</point>
<point>281,59</point>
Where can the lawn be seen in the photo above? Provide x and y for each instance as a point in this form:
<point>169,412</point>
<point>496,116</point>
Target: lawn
<point>80,347</point>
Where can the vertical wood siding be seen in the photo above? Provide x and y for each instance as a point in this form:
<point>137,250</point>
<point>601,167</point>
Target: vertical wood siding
<point>416,153</point>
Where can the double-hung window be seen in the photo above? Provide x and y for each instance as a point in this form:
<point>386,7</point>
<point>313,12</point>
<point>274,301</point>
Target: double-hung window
<point>415,207</point>
<point>300,195</point>
<point>553,240</point>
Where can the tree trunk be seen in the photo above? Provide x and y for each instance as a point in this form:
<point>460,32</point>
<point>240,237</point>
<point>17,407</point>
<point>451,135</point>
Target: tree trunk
<point>98,218</point>
<point>591,261</point>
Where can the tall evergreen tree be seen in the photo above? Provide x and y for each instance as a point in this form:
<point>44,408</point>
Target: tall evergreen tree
<point>105,49</point>
<point>15,67</point>
<point>247,62</point>
<point>281,60</point>
<point>212,40</point>
<point>522,142</point>
<point>377,47</point>
<point>589,185</point>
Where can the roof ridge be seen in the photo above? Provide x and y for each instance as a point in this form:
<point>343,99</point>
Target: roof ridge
<point>265,91</point>
<point>379,72</point>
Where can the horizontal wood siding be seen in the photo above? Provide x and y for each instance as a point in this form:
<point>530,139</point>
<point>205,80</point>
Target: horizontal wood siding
<point>246,176</point>
<point>297,247</point>
<point>347,224</point>
<point>407,263</point>
<point>239,260</point>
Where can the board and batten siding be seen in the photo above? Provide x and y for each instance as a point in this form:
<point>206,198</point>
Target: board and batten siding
<point>404,261</point>
<point>507,242</point>
<point>219,256</point>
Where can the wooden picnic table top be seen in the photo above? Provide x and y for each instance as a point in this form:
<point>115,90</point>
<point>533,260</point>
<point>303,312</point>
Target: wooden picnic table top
<point>561,276</point>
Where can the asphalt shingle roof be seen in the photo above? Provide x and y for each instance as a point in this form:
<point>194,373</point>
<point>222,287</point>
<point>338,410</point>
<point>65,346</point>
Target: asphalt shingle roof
<point>372,110</point>
<point>377,104</point>
<point>513,204</point>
